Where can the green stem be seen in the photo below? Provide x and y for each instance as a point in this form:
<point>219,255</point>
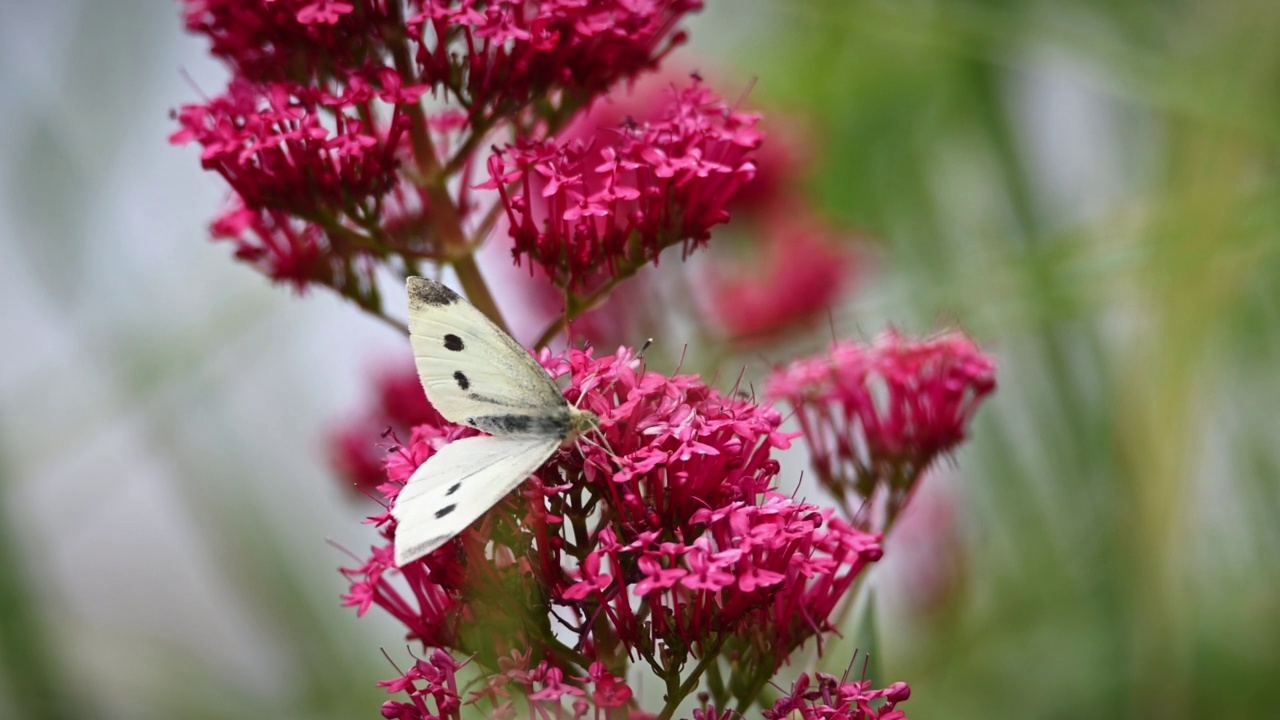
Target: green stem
<point>691,683</point>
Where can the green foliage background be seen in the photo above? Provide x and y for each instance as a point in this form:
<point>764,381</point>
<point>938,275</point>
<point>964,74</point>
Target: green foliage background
<point>1119,494</point>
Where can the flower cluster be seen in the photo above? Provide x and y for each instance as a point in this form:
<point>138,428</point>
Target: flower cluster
<point>541,687</point>
<point>335,167</point>
<point>587,210</point>
<point>291,40</point>
<point>496,57</point>
<point>834,698</point>
<point>878,415</point>
<point>311,170</point>
<point>660,538</point>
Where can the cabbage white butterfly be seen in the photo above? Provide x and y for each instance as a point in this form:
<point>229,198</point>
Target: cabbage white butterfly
<point>475,374</point>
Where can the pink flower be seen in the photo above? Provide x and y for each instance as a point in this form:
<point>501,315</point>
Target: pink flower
<point>796,272</point>
<point>295,148</point>
<point>879,415</point>
<point>496,57</point>
<point>587,210</point>
<point>839,699</point>
<point>287,250</point>
<point>658,534</point>
<point>297,40</point>
<point>431,686</point>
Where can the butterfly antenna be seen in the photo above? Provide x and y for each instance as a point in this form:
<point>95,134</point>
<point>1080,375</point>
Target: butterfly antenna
<point>644,347</point>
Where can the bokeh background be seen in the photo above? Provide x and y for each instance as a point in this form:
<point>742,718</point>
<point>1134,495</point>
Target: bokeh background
<point>1088,187</point>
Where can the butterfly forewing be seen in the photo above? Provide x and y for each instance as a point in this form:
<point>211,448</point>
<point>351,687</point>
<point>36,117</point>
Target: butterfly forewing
<point>469,367</point>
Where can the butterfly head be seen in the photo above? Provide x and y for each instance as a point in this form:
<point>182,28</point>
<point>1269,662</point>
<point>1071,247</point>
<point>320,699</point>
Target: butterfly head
<point>581,422</point>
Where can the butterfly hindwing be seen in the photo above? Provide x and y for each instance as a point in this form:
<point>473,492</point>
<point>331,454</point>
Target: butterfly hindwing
<point>458,484</point>
<point>469,367</point>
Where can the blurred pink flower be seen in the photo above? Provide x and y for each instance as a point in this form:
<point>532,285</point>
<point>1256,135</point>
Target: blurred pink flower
<point>399,406</point>
<point>795,273</point>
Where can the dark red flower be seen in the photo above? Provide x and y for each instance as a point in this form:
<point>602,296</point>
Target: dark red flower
<point>878,415</point>
<point>588,210</point>
<point>295,40</point>
<point>298,149</point>
<point>496,57</point>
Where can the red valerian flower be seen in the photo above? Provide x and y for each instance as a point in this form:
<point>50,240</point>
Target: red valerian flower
<point>658,537</point>
<point>834,698</point>
<point>796,272</point>
<point>432,687</point>
<point>299,149</point>
<point>586,211</point>
<point>497,56</point>
<point>878,415</point>
<point>295,40</point>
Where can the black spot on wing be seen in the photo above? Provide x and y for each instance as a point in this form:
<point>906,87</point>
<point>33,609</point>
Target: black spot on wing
<point>453,489</point>
<point>461,379</point>
<point>445,511</point>
<point>453,342</point>
<point>429,292</point>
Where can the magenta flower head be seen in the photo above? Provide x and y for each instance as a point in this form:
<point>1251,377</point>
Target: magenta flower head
<point>587,211</point>
<point>308,168</point>
<point>291,40</point>
<point>658,538</point>
<point>496,57</point>
<point>877,416</point>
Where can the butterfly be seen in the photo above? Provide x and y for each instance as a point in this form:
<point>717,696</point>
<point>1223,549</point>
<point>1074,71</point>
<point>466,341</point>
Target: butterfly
<point>477,375</point>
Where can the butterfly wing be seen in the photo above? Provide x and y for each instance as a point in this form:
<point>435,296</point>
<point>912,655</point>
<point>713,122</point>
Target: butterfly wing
<point>458,484</point>
<point>472,369</point>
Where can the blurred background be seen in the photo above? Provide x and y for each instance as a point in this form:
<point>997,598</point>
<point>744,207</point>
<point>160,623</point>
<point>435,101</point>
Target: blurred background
<point>1089,188</point>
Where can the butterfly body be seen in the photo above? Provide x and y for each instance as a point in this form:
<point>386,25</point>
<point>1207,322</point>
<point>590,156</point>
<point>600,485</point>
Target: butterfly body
<point>475,374</point>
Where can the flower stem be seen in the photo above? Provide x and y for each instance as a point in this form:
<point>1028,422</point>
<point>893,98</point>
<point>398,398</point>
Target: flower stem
<point>443,215</point>
<point>690,683</point>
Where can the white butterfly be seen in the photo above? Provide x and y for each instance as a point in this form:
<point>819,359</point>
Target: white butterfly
<point>475,374</point>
